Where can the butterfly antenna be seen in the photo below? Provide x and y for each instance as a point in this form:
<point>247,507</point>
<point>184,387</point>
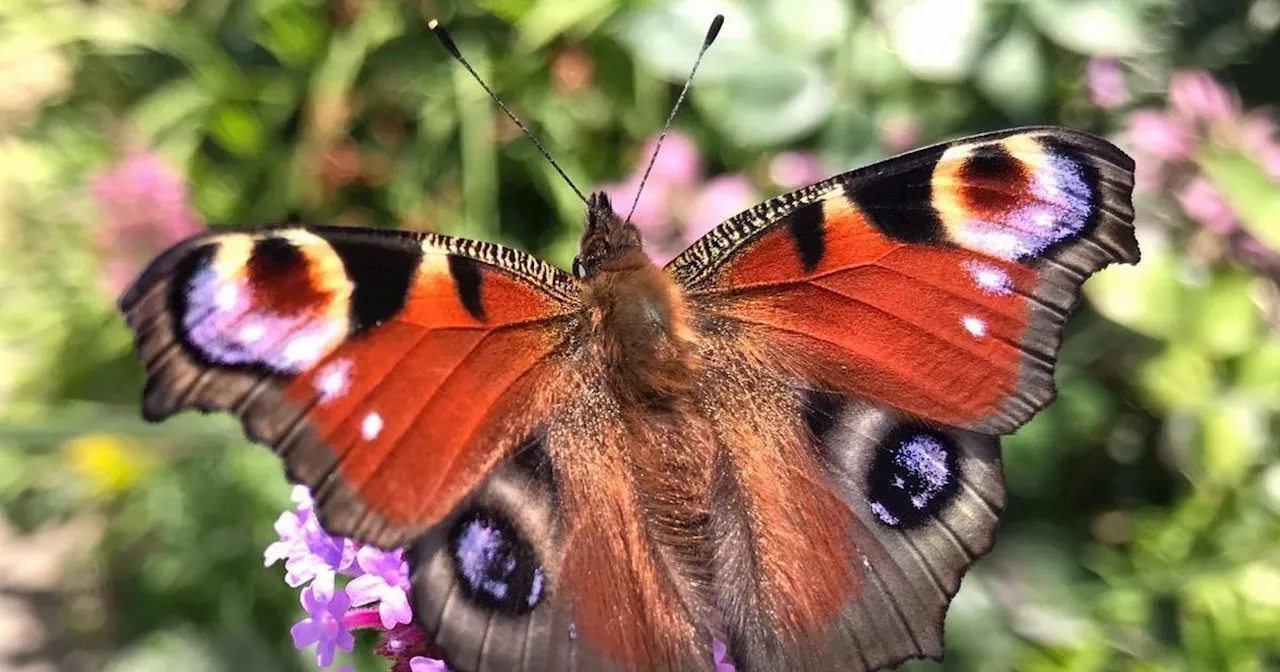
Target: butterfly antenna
<point>452,47</point>
<point>712,32</point>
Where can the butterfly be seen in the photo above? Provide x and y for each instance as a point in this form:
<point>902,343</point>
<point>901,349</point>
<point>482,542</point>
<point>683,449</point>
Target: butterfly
<point>786,438</point>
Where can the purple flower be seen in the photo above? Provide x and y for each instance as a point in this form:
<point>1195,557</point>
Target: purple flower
<point>1202,201</point>
<point>385,581</point>
<point>792,170</point>
<point>1258,138</point>
<point>1160,135</point>
<point>721,197</point>
<point>1106,82</point>
<point>425,664</point>
<point>678,163</point>
<point>899,132</point>
<point>720,654</point>
<point>1195,95</point>
<point>145,209</point>
<point>310,553</point>
<point>324,628</point>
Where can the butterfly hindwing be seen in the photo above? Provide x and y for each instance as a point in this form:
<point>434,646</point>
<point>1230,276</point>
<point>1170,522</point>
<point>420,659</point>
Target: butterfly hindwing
<point>299,330</point>
<point>936,282</point>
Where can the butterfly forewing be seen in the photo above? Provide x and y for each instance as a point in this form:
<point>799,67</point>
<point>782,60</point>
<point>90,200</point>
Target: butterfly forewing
<point>374,362</point>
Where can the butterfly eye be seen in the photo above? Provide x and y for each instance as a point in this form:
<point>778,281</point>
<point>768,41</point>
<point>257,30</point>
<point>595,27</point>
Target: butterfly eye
<point>577,268</point>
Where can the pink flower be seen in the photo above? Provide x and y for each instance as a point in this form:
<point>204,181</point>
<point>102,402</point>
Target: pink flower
<point>145,209</point>
<point>900,132</point>
<point>720,198</point>
<point>678,163</point>
<point>425,664</point>
<point>385,581</point>
<point>324,627</point>
<point>1160,135</point>
<point>1195,95</point>
<point>1106,82</point>
<point>1258,137</point>
<point>792,170</point>
<point>311,555</point>
<point>1202,201</point>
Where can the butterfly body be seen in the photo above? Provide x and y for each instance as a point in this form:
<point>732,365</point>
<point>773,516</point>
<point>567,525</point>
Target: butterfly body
<point>787,438</point>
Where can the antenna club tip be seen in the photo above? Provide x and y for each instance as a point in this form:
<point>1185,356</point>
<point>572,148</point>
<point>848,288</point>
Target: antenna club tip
<point>443,35</point>
<point>714,30</point>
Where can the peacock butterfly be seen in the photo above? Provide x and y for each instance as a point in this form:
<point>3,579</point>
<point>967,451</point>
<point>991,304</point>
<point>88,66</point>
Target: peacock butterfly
<point>788,437</point>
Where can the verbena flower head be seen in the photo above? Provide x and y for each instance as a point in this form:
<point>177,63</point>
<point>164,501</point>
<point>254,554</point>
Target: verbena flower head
<point>386,582</point>
<point>376,594</point>
<point>145,209</point>
<point>323,627</point>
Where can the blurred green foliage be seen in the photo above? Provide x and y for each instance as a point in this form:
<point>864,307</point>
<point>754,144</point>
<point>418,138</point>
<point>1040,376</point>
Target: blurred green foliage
<point>1143,530</point>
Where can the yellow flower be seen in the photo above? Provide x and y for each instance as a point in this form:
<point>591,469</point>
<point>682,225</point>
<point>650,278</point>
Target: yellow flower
<point>109,464</point>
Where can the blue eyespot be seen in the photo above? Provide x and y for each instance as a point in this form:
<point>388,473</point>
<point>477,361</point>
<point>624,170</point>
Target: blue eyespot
<point>913,475</point>
<point>495,565</point>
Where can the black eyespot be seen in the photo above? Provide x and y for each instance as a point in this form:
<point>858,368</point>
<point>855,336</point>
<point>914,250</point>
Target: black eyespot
<point>577,268</point>
<point>496,567</point>
<point>914,474</point>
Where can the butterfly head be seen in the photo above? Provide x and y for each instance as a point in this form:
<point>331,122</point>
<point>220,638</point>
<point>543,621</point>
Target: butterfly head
<point>607,238</point>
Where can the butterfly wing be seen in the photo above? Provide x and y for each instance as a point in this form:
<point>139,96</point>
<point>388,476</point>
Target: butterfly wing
<point>936,282</point>
<point>430,392</point>
<point>298,330</point>
<point>871,335</point>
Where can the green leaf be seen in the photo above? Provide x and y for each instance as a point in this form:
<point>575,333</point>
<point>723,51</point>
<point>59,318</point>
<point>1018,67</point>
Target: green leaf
<point>169,106</point>
<point>1224,320</point>
<point>1180,378</point>
<point>549,19</point>
<point>1232,432</point>
<point>1013,75</point>
<point>807,26</point>
<point>1258,374</point>
<point>238,129</point>
<point>1098,27</point>
<point>777,99</point>
<point>666,38</point>
<point>1147,297</point>
<point>937,40</point>
<point>1253,195</point>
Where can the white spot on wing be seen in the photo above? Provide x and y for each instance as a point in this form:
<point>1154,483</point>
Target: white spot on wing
<point>333,380</point>
<point>989,278</point>
<point>974,326</point>
<point>371,426</point>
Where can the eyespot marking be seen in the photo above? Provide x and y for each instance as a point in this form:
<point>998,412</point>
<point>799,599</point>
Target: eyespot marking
<point>1012,199</point>
<point>496,567</point>
<point>279,301</point>
<point>913,475</point>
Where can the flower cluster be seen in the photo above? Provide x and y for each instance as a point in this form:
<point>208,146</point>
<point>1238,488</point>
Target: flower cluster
<point>145,207</point>
<point>1201,117</point>
<point>375,594</point>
